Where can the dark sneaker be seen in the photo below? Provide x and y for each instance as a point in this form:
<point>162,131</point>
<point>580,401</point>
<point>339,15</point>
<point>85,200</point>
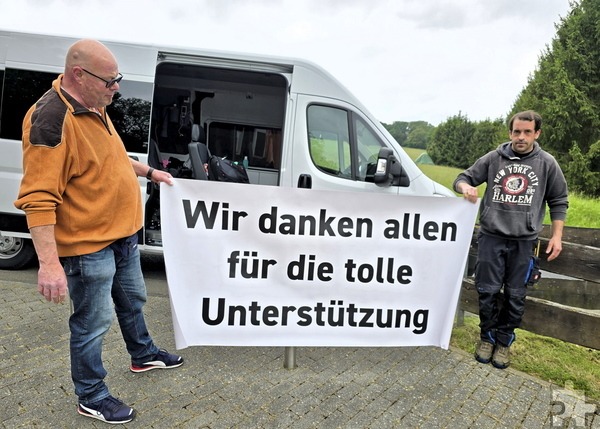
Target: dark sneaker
<point>484,352</point>
<point>163,360</point>
<point>109,410</point>
<point>501,358</point>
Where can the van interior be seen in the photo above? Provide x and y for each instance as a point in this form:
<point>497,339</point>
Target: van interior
<point>237,113</point>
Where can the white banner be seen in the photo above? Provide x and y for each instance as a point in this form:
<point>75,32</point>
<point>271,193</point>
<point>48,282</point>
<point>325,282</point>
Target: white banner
<point>270,266</point>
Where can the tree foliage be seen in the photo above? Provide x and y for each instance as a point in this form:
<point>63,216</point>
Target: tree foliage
<point>451,142</point>
<point>130,116</point>
<point>583,170</point>
<point>458,142</point>
<point>399,130</point>
<point>565,90</point>
<point>419,135</point>
<point>411,134</point>
<point>488,135</point>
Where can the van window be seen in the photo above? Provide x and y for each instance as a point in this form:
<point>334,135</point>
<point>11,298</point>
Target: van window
<point>367,149</point>
<point>130,114</point>
<point>260,146</point>
<point>22,88</point>
<point>329,140</point>
<point>341,143</point>
<point>1,89</point>
<point>130,110</point>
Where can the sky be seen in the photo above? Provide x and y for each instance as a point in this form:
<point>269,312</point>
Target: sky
<point>406,60</point>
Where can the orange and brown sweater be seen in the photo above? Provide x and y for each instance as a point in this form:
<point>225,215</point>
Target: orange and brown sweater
<point>77,175</point>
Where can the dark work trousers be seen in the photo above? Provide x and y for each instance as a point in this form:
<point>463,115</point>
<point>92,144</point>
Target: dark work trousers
<point>501,263</point>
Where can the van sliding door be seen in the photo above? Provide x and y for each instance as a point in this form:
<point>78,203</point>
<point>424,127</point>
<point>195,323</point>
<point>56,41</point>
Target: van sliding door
<point>235,106</point>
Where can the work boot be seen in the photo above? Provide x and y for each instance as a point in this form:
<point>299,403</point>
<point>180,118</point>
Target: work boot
<point>484,351</point>
<point>501,358</point>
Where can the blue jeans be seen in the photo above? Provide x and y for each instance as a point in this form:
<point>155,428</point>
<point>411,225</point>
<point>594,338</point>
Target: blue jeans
<point>96,282</point>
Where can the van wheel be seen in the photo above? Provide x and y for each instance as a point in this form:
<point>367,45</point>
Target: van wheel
<point>15,252</point>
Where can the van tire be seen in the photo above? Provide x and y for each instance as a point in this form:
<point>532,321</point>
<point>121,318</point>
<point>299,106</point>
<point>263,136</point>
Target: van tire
<point>15,252</point>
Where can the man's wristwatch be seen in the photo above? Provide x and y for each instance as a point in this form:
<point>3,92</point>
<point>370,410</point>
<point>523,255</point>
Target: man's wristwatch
<point>149,173</point>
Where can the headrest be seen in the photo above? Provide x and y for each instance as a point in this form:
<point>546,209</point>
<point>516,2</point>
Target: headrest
<point>195,132</point>
<point>198,134</point>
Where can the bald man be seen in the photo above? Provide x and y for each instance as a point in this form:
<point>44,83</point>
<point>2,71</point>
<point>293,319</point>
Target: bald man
<point>81,197</point>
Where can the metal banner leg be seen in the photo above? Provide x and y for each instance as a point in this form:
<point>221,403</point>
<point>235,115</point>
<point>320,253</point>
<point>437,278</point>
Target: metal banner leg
<point>289,358</point>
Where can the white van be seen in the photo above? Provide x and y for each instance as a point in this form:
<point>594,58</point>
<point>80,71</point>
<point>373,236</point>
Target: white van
<point>289,120</point>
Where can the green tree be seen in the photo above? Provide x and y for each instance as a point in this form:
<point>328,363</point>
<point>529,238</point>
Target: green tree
<point>450,142</point>
<point>411,134</point>
<point>487,136</point>
<point>398,130</point>
<point>420,133</point>
<point>565,90</point>
<point>583,170</point>
<point>130,117</point>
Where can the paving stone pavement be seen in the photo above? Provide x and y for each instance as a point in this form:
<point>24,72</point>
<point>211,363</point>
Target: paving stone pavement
<point>248,387</point>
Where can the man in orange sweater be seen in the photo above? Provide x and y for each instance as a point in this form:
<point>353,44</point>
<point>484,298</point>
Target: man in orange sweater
<point>81,197</point>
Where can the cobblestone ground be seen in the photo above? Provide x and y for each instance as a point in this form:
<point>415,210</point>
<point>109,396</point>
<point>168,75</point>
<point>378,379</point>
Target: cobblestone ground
<point>244,387</point>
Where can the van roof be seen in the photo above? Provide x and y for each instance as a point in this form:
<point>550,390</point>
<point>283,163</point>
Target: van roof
<point>136,60</point>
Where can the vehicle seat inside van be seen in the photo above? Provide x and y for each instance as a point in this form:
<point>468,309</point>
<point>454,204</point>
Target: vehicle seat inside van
<point>154,156</point>
<point>198,134</point>
<point>199,153</point>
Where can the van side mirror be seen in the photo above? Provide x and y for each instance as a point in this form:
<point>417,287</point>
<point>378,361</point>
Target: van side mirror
<point>389,171</point>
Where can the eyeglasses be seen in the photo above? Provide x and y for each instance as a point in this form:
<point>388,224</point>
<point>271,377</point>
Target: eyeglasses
<point>109,83</point>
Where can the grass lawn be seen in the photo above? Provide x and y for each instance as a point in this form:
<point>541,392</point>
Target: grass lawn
<point>550,359</point>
